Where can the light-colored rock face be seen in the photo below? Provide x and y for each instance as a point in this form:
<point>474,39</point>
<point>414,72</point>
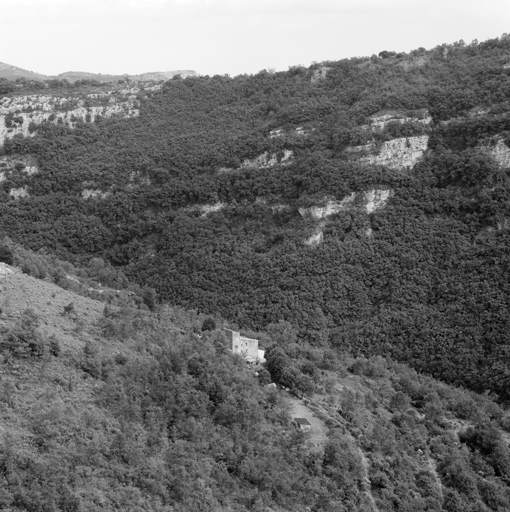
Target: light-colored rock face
<point>263,161</point>
<point>278,208</point>
<point>24,164</point>
<point>399,153</point>
<point>375,199</point>
<point>138,178</point>
<point>330,208</point>
<point>89,193</point>
<point>273,134</point>
<point>317,237</point>
<point>498,150</point>
<point>16,193</point>
<point>266,160</point>
<point>206,209</point>
<point>320,74</point>
<point>478,111</point>
<point>22,114</point>
<point>279,132</point>
<point>380,122</point>
<point>5,269</point>
<point>368,202</point>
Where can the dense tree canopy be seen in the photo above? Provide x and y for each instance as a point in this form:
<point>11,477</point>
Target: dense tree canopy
<point>428,285</point>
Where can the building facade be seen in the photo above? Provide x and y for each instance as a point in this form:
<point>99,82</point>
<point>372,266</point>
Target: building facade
<point>245,347</point>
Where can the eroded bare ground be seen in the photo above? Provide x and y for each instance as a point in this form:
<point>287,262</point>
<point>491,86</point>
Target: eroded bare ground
<point>19,291</point>
<point>318,430</point>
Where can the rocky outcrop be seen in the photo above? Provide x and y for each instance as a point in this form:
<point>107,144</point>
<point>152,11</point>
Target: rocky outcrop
<point>330,208</point>
<point>381,121</point>
<point>318,235</point>
<point>16,193</point>
<point>498,150</point>
<point>5,269</point>
<point>320,74</point>
<point>94,194</point>
<point>399,153</point>
<point>375,199</point>
<point>367,202</point>
<point>23,114</point>
<point>273,134</point>
<point>280,132</point>
<point>263,161</point>
<point>266,160</point>
<point>23,164</point>
<point>478,112</point>
<point>278,208</point>
<point>206,209</point>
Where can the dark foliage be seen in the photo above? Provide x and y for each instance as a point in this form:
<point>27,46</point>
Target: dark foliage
<point>428,287</point>
<point>6,255</point>
<point>208,324</point>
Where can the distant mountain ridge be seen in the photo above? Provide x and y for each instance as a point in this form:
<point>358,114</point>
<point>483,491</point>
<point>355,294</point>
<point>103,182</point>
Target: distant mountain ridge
<point>11,72</point>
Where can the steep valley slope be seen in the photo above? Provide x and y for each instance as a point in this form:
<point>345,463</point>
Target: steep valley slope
<point>363,201</point>
<point>109,406</point>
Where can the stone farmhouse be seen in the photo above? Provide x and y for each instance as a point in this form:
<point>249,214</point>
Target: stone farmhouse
<point>245,347</point>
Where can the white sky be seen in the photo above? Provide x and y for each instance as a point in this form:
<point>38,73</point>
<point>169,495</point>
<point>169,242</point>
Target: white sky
<point>230,36</point>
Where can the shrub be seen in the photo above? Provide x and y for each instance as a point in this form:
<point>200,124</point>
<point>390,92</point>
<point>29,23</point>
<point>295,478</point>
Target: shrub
<point>54,346</point>
<point>208,324</point>
<point>264,377</point>
<point>68,309</point>
<point>6,254</point>
<point>24,341</point>
<point>90,362</point>
<point>149,298</point>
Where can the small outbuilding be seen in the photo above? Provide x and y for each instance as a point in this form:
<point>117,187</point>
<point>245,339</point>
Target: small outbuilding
<point>303,424</point>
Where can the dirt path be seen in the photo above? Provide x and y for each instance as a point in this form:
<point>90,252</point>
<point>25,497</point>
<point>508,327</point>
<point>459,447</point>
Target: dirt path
<point>366,479</point>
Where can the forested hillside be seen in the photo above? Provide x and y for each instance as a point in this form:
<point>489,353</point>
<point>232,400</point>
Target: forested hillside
<point>364,201</point>
<point>114,407</point>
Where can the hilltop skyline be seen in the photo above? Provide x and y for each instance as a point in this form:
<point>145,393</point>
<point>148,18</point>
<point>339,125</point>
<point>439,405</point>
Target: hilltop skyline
<point>228,36</point>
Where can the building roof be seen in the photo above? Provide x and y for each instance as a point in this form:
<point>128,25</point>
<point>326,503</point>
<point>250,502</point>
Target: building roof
<point>302,421</point>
